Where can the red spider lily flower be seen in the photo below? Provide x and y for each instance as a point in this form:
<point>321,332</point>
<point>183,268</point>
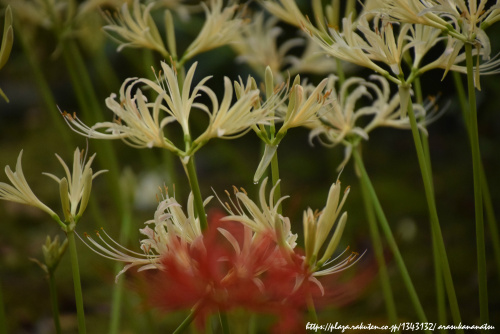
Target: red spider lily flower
<point>230,267</point>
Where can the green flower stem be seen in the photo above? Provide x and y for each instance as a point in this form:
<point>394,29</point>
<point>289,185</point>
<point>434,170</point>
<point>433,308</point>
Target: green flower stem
<point>224,322</point>
<point>53,301</point>
<point>76,281</point>
<point>379,255</point>
<point>184,325</point>
<point>3,318</point>
<point>116,304</point>
<point>252,324</point>
<point>384,224</point>
<point>195,188</point>
<point>438,277</point>
<point>311,309</point>
<point>488,205</point>
<point>478,202</point>
<point>438,272</point>
<point>431,202</point>
<point>275,174</point>
<point>491,219</point>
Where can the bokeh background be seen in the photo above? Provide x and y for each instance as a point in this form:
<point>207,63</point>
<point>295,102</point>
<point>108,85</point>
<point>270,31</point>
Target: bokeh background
<point>306,172</point>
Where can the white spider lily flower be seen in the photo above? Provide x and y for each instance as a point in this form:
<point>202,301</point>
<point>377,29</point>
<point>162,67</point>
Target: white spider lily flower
<point>234,121</point>
<point>318,226</point>
<point>304,105</point>
<point>453,55</point>
<point>134,27</point>
<point>20,191</point>
<point>362,50</point>
<point>221,27</point>
<point>462,20</point>
<point>342,120</point>
<point>423,38</point>
<point>139,122</point>
<point>171,226</point>
<point>179,100</point>
<point>76,186</point>
<point>263,218</point>
<point>312,60</point>
<point>286,10</point>
<point>258,46</point>
<point>467,17</point>
<point>411,12</point>
<point>383,45</point>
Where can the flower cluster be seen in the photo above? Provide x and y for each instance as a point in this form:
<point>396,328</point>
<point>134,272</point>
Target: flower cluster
<point>140,123</point>
<point>246,259</point>
<point>74,189</point>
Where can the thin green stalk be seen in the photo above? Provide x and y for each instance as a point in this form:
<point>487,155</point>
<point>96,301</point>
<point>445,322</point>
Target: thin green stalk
<point>462,98</point>
<point>76,281</point>
<point>53,301</point>
<point>491,219</point>
<point>431,203</point>
<point>195,188</point>
<point>116,304</point>
<point>425,139</point>
<point>275,174</point>
<point>478,202</point>
<point>438,277</point>
<point>184,325</point>
<point>379,255</point>
<point>224,322</point>
<point>311,309</point>
<point>3,318</point>
<point>438,272</point>
<point>488,205</point>
<point>252,324</point>
<point>384,224</point>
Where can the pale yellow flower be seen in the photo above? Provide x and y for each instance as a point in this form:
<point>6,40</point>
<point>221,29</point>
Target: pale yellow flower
<point>286,10</point>
<point>221,27</point>
<point>463,21</point>
<point>317,228</point>
<point>232,121</point>
<point>262,218</point>
<point>170,226</point>
<point>346,118</point>
<point>258,46</point>
<point>139,122</point>
<point>363,49</point>
<point>313,61</point>
<point>304,105</point>
<point>75,187</point>
<point>20,191</point>
<point>134,27</point>
<point>410,11</point>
